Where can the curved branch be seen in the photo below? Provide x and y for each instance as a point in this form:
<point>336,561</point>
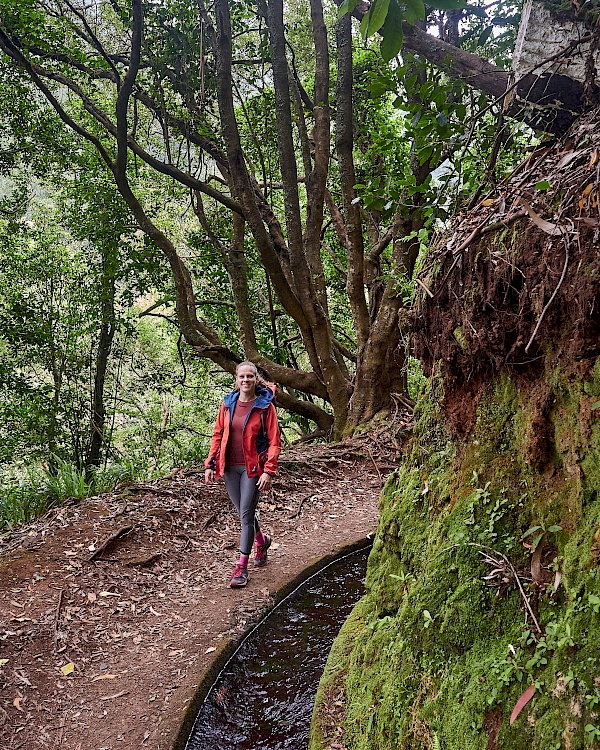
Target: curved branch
<point>164,168</point>
<point>15,54</point>
<point>95,42</point>
<point>323,419</point>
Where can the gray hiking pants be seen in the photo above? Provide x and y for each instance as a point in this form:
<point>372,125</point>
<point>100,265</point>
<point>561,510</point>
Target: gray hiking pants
<point>244,495</point>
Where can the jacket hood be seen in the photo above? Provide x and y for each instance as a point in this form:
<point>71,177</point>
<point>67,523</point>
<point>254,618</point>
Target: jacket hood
<point>264,397</point>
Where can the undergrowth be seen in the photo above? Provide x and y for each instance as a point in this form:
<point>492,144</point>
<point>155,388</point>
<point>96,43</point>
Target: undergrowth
<point>39,489</point>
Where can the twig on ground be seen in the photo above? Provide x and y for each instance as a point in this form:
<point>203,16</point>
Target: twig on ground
<point>57,618</point>
<point>300,504</point>
<point>108,541</point>
<point>116,695</point>
<point>150,488</point>
<point>376,467</point>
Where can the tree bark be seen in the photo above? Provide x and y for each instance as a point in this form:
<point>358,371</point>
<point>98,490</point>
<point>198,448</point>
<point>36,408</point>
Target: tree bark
<point>107,333</point>
<point>350,233</point>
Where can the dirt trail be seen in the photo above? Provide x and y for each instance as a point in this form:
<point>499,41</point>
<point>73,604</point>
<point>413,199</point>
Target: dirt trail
<point>140,623</point>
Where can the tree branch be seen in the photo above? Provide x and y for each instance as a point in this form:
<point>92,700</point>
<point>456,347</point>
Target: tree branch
<point>354,243</point>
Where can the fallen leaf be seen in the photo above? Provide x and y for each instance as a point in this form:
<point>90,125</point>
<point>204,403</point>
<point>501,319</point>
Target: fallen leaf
<point>210,650</point>
<point>104,677</point>
<point>567,159</point>
<point>545,226</point>
<point>593,158</point>
<point>17,703</point>
<point>16,604</point>
<point>488,202</point>
<point>91,596</point>
<point>68,669</point>
<point>557,580</point>
<point>3,662</point>
<point>521,703</point>
<point>109,593</point>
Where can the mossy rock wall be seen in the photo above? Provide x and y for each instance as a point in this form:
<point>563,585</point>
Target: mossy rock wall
<point>442,647</point>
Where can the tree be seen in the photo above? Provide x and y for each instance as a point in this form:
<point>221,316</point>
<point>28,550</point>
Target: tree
<point>172,89</point>
<point>70,276</point>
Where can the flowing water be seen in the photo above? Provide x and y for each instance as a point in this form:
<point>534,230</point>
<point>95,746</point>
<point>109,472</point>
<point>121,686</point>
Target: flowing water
<point>263,698</point>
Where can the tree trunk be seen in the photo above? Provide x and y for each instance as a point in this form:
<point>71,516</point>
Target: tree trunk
<point>107,333</point>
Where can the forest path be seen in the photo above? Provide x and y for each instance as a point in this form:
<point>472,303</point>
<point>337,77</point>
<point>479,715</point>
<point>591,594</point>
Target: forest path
<point>141,622</point>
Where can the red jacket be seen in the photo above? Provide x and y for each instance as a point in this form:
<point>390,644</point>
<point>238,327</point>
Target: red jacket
<point>261,439</point>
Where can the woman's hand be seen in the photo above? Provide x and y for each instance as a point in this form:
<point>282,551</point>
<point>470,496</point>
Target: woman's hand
<point>264,482</point>
<point>209,476</point>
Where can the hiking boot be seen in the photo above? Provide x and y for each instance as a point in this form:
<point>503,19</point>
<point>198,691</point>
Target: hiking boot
<point>239,578</point>
<point>260,557</point>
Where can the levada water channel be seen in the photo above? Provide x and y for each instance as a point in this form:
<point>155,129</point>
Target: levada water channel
<point>263,698</point>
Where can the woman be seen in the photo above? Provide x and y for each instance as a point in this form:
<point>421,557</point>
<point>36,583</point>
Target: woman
<point>244,449</point>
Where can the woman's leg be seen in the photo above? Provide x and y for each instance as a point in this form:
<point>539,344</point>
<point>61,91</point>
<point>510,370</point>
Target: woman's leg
<point>244,495</point>
<point>248,503</point>
<point>232,476</point>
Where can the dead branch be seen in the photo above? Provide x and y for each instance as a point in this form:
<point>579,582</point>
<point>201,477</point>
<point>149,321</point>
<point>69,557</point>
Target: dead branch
<point>108,541</point>
<point>300,504</point>
<point>376,467</point>
<point>57,618</point>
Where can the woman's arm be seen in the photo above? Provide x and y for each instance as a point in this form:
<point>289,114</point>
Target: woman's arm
<point>274,436</point>
<point>215,445</point>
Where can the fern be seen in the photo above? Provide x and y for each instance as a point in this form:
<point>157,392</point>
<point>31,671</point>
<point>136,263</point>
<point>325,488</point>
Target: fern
<point>436,742</point>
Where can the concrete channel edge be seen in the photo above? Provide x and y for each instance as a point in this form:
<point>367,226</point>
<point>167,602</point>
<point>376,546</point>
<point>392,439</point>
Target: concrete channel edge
<point>181,734</point>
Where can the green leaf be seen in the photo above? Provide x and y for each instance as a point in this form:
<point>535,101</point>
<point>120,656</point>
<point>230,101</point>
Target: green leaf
<point>531,531</point>
<point>415,118</point>
<point>423,154</point>
<point>485,35</point>
<point>347,7</point>
<point>393,35</point>
<point>447,4</point>
<point>415,11</point>
<point>410,81</point>
<point>475,11</point>
<point>370,722</point>
<point>542,185</point>
<point>596,405</point>
<point>374,19</point>
<point>442,119</point>
<point>536,541</point>
<point>554,529</point>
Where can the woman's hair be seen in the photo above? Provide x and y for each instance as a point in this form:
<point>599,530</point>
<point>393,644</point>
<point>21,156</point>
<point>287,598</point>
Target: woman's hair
<point>247,364</point>
<point>259,378</point>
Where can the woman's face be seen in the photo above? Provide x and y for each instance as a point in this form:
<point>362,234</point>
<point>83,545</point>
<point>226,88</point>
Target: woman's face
<point>246,380</point>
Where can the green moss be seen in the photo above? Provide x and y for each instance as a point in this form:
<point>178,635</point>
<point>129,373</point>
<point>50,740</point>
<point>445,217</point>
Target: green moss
<point>459,335</point>
<point>438,655</point>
